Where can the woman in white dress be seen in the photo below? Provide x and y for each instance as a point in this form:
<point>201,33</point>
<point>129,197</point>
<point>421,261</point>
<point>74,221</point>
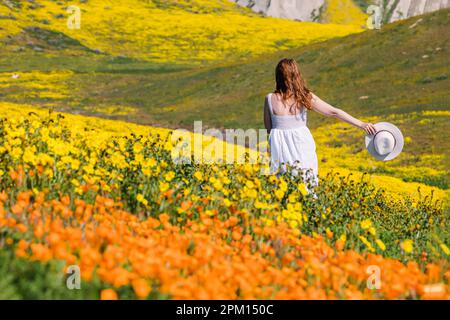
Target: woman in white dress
<point>285,114</point>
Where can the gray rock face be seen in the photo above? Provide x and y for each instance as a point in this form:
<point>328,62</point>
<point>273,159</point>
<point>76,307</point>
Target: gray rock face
<point>309,10</point>
<point>397,10</point>
<point>303,10</point>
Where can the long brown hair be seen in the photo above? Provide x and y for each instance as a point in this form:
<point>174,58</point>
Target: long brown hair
<point>290,84</point>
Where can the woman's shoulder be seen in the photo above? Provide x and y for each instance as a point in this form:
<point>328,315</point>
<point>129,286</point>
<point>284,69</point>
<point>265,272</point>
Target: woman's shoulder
<point>269,98</point>
<point>270,95</point>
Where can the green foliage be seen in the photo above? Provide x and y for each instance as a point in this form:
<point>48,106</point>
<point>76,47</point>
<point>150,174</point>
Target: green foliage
<point>342,203</point>
<point>363,4</point>
<point>23,279</point>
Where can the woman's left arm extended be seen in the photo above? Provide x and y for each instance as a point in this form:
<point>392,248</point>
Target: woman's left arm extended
<point>328,110</point>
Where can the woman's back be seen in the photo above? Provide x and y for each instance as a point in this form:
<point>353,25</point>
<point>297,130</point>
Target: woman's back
<point>291,142</point>
<point>285,116</point>
<point>282,107</point>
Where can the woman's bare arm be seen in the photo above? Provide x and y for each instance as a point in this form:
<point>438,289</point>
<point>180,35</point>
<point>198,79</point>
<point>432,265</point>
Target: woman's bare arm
<point>328,110</point>
<point>267,119</point>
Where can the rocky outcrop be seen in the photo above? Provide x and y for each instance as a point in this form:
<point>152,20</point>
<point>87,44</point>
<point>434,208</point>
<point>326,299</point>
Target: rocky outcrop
<point>303,10</point>
<point>310,10</point>
<point>401,9</point>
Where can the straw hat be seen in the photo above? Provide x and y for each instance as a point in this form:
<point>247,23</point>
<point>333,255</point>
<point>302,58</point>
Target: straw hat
<point>387,143</point>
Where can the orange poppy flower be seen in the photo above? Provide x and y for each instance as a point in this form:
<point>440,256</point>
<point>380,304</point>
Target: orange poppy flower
<point>108,294</point>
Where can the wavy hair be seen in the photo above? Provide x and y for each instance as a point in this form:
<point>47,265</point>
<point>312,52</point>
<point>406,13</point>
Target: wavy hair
<point>290,84</point>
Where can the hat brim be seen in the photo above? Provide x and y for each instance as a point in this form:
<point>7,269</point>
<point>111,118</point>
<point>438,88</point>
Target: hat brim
<point>398,136</point>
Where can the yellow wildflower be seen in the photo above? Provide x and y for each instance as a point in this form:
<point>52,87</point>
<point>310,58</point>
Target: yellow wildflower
<point>445,249</point>
<point>279,194</point>
<point>380,244</point>
<point>250,184</point>
<point>407,246</point>
<point>163,186</point>
<point>366,224</point>
<point>141,199</point>
<point>198,175</point>
<point>169,176</point>
<point>367,243</point>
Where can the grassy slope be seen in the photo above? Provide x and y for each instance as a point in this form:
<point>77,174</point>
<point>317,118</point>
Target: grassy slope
<point>402,70</point>
<point>172,31</point>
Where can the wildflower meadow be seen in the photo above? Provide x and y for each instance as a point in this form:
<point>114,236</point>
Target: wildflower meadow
<point>107,197</point>
<point>97,202</point>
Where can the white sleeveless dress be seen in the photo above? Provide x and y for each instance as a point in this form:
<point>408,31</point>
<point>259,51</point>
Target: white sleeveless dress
<point>292,144</point>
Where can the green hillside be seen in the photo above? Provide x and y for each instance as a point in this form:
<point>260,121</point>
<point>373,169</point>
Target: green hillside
<point>169,31</point>
<point>398,74</point>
